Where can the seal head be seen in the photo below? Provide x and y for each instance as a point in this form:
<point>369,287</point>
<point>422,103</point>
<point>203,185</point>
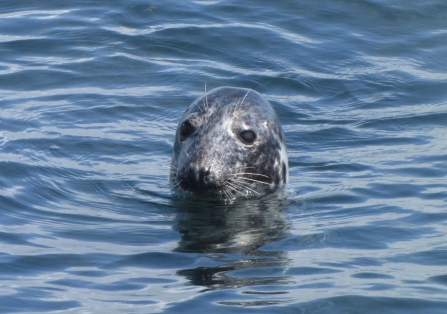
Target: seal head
<point>229,142</point>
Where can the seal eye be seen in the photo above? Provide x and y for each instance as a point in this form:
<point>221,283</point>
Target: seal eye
<point>186,130</point>
<point>247,137</point>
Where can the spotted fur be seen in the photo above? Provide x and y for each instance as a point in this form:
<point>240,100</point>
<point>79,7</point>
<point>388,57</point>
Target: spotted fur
<point>210,155</point>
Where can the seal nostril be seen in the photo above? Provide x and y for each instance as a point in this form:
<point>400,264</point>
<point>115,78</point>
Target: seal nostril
<point>204,174</point>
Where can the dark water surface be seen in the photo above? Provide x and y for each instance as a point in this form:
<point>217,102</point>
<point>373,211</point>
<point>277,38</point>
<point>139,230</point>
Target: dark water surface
<point>90,96</point>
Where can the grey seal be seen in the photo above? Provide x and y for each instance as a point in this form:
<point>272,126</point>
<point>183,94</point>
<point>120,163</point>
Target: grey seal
<point>229,142</point>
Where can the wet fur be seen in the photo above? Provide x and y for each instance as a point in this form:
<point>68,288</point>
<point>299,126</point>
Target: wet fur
<point>213,160</point>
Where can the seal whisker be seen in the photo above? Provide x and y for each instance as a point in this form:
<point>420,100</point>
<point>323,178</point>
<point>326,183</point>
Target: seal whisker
<point>248,179</point>
<point>245,186</point>
<point>205,106</point>
<point>168,166</point>
<point>240,103</point>
<point>206,98</point>
<point>173,168</point>
<point>186,152</point>
<point>254,174</point>
<point>177,184</point>
<point>223,194</point>
<point>235,187</point>
<point>240,184</point>
<point>230,193</point>
<point>230,196</point>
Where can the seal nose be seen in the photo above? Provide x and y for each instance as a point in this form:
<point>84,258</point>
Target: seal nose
<point>198,179</point>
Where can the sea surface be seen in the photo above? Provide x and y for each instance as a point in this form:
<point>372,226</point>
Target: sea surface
<point>90,96</point>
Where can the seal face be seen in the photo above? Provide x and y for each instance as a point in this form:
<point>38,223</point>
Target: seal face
<point>229,142</point>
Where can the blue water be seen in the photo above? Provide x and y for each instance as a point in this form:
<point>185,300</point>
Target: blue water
<point>90,96</point>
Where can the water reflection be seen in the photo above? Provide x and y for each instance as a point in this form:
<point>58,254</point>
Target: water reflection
<point>233,236</point>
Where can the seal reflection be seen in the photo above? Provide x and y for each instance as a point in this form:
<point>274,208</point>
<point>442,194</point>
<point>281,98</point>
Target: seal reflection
<point>233,236</point>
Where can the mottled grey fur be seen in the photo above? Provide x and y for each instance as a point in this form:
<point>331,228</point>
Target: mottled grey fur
<point>211,158</point>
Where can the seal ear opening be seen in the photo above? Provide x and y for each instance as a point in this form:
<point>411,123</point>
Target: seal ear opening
<point>247,137</point>
<point>186,130</point>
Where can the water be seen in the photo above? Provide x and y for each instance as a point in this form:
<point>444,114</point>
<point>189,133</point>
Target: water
<point>90,96</point>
